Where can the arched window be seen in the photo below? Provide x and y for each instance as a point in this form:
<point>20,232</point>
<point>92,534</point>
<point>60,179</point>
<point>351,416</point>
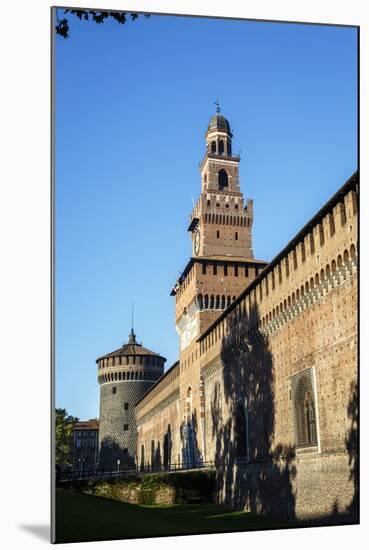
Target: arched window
<point>222,179</point>
<point>221,147</point>
<point>352,252</point>
<point>206,305</point>
<point>304,408</point>
<point>212,301</point>
<point>199,301</point>
<point>240,431</point>
<point>213,147</point>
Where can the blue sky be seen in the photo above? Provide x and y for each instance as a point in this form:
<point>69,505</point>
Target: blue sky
<point>132,106</point>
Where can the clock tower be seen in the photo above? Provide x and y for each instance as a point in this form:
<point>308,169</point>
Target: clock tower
<point>221,266</point>
<point>221,222</point>
<point>222,262</point>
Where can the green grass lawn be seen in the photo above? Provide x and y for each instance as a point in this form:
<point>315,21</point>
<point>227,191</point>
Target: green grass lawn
<point>81,517</point>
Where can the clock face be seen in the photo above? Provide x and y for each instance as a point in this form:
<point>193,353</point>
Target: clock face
<point>197,242</point>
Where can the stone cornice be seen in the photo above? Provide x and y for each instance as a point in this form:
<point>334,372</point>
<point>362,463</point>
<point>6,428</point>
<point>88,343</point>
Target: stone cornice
<point>174,396</point>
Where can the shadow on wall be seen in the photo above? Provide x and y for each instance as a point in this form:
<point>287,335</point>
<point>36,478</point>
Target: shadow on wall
<point>111,453</point>
<point>254,472</point>
<point>167,448</point>
<point>191,454</point>
<point>352,448</point>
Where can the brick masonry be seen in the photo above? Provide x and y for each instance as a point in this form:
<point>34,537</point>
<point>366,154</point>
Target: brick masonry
<point>297,315</point>
<point>124,375</point>
<point>114,438</point>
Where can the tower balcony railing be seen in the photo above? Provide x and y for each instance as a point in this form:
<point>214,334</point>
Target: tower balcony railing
<point>224,155</point>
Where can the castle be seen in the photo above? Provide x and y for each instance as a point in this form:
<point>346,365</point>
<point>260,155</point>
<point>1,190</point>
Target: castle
<point>265,386</point>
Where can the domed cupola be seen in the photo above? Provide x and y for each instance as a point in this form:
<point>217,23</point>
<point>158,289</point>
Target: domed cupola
<point>219,122</point>
<point>218,135</point>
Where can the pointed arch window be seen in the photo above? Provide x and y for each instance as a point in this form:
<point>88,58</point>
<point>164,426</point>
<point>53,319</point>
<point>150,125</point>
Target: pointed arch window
<point>304,406</point>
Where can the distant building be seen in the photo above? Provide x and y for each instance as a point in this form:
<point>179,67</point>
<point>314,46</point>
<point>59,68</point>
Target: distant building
<point>85,445</point>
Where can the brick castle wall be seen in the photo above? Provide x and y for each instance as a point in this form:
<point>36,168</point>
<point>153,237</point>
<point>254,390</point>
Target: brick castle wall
<point>299,315</point>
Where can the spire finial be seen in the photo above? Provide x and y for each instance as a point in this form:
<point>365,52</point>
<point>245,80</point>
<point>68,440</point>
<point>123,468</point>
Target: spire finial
<point>217,105</point>
<point>132,336</point>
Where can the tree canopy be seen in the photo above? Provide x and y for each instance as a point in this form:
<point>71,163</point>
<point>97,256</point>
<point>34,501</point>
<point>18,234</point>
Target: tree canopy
<point>98,16</point>
<point>64,437</point>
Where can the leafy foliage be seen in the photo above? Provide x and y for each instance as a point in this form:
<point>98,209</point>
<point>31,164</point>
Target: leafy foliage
<point>98,16</point>
<point>146,489</point>
<point>64,436</point>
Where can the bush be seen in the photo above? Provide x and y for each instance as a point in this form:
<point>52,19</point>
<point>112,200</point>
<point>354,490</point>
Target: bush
<point>160,488</point>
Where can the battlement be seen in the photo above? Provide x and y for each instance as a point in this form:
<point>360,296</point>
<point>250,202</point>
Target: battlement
<point>306,268</point>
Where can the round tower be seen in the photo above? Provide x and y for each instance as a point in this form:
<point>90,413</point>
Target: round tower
<point>124,376</point>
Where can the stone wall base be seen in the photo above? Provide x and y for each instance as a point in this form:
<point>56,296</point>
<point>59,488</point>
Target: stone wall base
<point>311,488</point>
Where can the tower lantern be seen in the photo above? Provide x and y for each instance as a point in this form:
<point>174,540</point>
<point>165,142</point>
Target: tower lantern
<point>219,136</point>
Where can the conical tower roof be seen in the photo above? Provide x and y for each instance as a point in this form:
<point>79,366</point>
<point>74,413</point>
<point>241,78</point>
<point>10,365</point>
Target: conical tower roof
<point>132,347</point>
